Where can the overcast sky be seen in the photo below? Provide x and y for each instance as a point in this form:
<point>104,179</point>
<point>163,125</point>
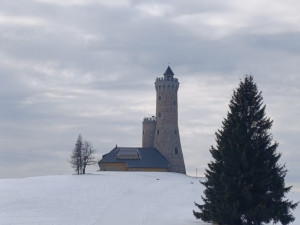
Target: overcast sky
<point>89,66</point>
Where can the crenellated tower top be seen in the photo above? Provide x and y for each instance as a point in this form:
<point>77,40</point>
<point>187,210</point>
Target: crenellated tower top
<point>150,119</point>
<point>167,82</point>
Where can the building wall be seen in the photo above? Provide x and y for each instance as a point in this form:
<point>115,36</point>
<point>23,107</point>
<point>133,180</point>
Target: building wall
<point>113,167</point>
<point>122,167</point>
<point>149,125</point>
<point>148,169</point>
<point>166,138</point>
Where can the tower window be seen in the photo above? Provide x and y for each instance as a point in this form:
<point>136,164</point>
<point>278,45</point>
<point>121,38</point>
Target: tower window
<point>143,132</point>
<point>175,132</point>
<point>176,150</point>
<point>174,103</point>
<point>157,132</point>
<point>159,97</point>
<point>159,115</point>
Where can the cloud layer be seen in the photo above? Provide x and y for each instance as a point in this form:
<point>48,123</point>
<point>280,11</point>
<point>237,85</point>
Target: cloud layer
<point>74,66</point>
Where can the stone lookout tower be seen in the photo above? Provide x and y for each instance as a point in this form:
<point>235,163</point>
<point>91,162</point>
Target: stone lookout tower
<point>161,150</point>
<point>161,132</point>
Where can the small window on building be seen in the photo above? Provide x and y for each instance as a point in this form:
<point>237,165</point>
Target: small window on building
<point>176,151</point>
<point>159,97</point>
<point>143,132</point>
<point>175,132</point>
<point>159,115</point>
<point>174,103</point>
<point>157,131</point>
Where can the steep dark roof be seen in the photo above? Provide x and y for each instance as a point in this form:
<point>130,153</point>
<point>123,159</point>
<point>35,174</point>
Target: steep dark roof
<point>136,157</point>
<point>169,72</point>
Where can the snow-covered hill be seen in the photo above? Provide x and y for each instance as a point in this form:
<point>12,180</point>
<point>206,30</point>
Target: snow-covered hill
<point>103,198</point>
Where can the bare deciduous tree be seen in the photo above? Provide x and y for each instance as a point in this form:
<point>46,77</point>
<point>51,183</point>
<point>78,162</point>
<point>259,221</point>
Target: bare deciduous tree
<point>87,154</point>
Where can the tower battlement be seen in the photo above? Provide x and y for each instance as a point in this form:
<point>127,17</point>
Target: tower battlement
<point>166,83</point>
<point>149,119</point>
<point>166,79</point>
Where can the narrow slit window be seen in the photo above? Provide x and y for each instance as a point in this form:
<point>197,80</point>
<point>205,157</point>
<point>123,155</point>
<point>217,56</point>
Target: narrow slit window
<point>176,150</point>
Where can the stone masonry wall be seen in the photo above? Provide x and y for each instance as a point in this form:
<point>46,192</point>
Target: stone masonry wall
<point>166,137</point>
<point>149,125</point>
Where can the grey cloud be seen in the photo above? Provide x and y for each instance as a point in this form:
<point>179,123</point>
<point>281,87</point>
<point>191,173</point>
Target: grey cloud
<point>89,67</point>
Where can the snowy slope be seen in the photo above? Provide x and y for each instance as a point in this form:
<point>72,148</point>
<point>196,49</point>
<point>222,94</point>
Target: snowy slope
<point>104,198</point>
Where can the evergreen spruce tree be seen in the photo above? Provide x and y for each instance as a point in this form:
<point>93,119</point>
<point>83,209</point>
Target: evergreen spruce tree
<point>244,183</point>
<point>76,156</point>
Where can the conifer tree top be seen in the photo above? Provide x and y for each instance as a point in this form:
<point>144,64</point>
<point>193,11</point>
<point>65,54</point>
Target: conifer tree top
<point>245,182</point>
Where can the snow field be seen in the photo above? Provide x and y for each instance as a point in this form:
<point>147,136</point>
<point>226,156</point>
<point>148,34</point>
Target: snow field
<point>108,198</point>
<point>104,198</point>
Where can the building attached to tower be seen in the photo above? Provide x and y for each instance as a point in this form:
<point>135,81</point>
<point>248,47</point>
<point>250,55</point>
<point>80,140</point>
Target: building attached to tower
<point>161,146</point>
